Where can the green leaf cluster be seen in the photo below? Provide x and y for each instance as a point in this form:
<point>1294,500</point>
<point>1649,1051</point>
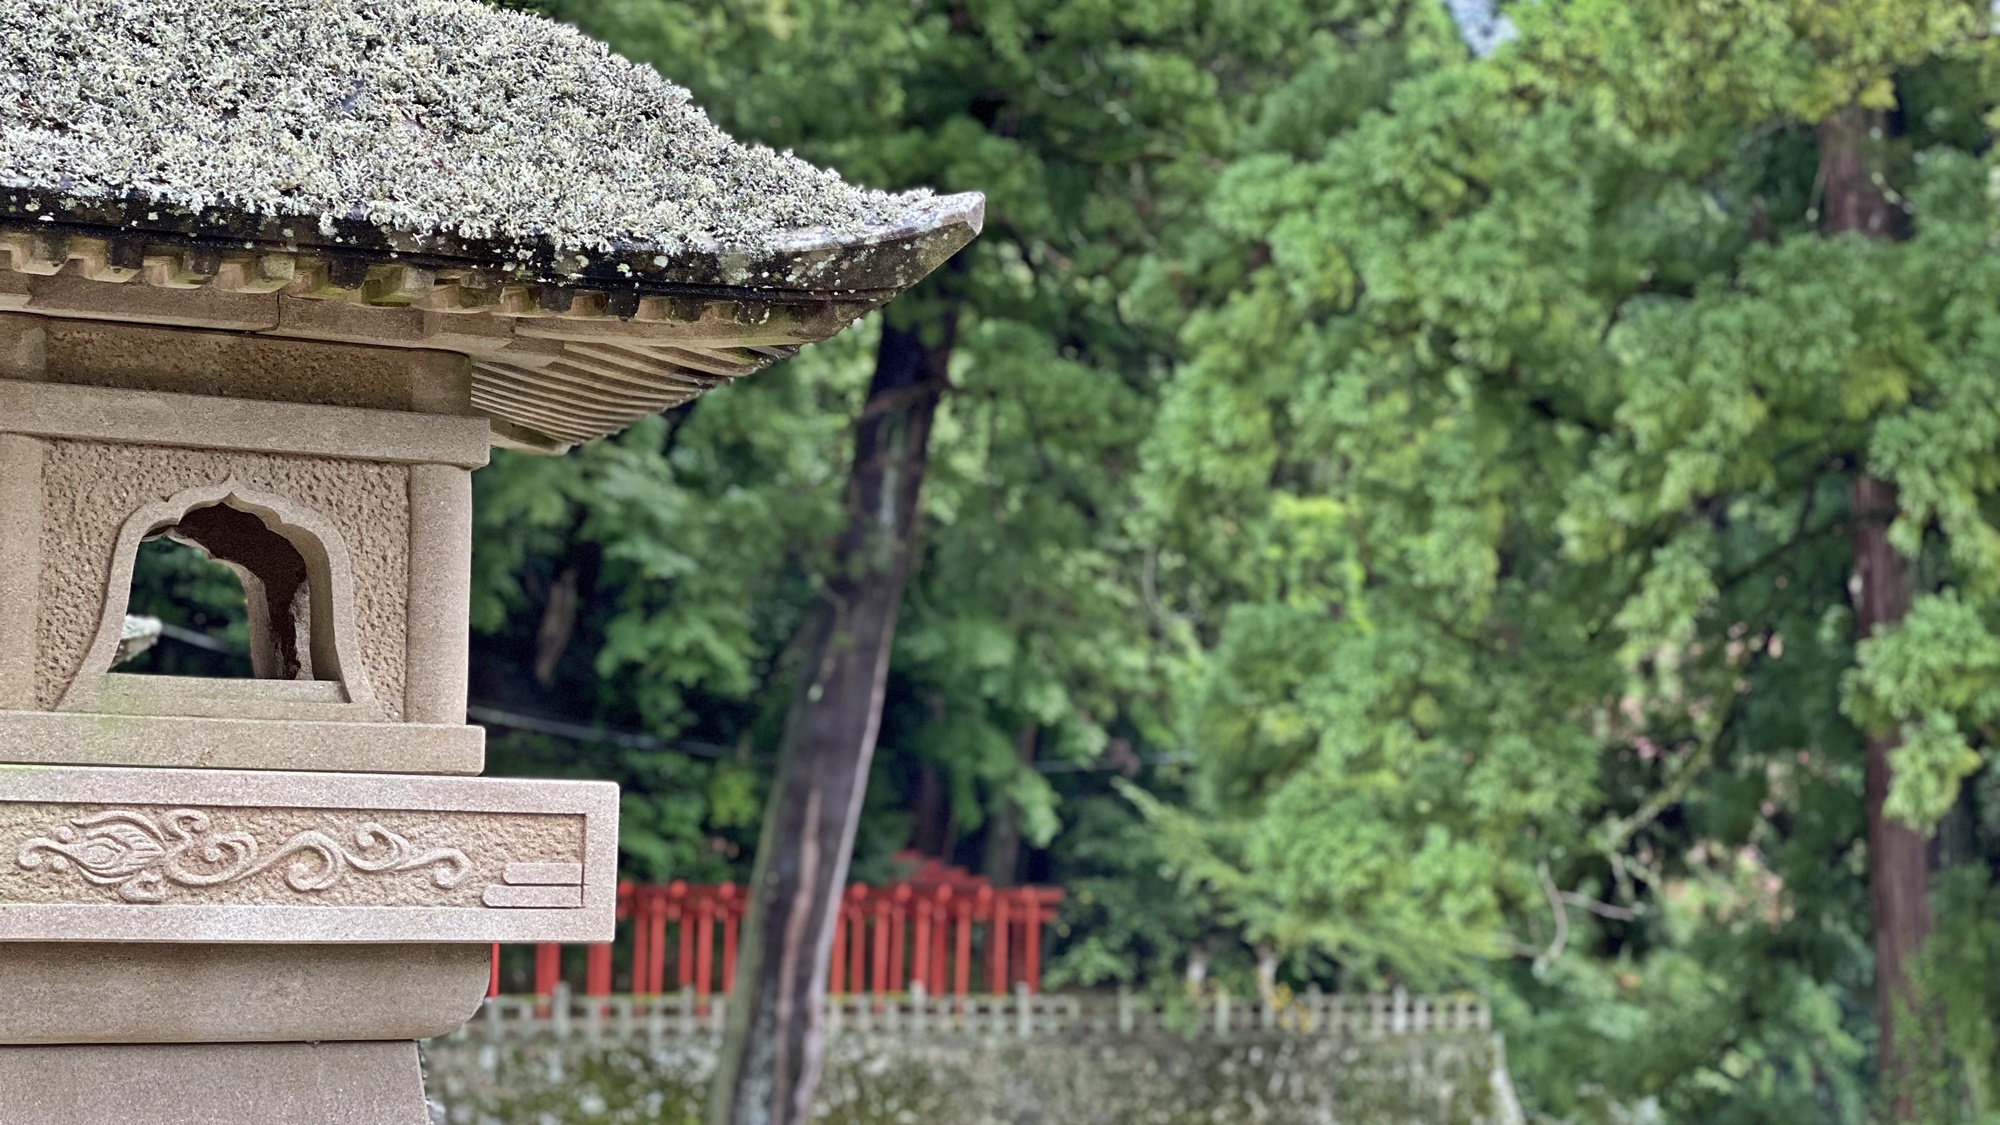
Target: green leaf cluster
<point>1502,486</point>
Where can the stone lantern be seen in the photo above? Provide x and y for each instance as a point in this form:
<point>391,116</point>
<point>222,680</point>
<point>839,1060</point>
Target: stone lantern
<point>275,275</point>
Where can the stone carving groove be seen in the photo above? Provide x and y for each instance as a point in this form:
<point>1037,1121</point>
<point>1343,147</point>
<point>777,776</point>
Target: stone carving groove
<point>146,858</point>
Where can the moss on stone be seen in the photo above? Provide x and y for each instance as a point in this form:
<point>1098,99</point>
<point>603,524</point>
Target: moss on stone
<point>418,116</point>
<point>1264,1080</point>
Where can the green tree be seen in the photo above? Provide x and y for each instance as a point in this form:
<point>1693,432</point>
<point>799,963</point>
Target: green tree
<point>1509,491</point>
<point>1020,382</point>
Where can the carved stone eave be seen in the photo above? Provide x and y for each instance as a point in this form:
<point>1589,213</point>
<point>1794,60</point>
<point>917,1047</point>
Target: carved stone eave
<point>562,349</point>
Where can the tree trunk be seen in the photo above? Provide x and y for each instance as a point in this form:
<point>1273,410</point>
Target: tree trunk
<point>1002,866</point>
<point>558,625</point>
<point>1899,872</point>
<point>1853,202</point>
<point>775,1044</point>
<point>1898,856</point>
<point>931,832</point>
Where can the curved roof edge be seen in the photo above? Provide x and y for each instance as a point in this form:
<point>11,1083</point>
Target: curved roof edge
<point>885,259</point>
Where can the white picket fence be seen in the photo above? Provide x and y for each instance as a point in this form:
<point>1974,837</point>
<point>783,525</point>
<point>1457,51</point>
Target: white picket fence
<point>683,1015</point>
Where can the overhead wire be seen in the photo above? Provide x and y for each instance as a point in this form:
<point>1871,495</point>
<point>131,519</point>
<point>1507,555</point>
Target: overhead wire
<point>487,715</point>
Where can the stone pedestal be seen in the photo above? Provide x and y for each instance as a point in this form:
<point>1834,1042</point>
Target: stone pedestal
<point>234,1084</point>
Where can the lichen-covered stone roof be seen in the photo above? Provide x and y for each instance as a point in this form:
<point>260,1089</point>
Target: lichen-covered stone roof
<point>428,174</point>
<point>420,117</point>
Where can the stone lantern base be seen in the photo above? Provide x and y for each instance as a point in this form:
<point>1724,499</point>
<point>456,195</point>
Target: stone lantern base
<point>214,1084</point>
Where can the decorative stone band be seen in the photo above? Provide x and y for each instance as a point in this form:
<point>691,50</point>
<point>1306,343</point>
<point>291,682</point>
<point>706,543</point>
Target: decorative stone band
<point>146,857</point>
<point>160,855</point>
<point>538,885</point>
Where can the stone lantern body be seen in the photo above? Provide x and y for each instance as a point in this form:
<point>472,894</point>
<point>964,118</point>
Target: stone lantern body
<point>247,899</point>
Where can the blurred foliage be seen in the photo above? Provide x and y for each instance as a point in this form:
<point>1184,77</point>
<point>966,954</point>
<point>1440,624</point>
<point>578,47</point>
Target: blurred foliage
<point>1502,489</point>
<point>183,587</point>
<point>1095,131</point>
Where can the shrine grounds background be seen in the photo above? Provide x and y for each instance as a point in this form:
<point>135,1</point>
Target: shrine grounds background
<point>1392,518</point>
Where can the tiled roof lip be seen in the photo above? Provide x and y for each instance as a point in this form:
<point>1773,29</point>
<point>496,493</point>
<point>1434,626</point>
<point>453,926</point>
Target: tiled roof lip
<point>438,127</point>
<point>888,257</point>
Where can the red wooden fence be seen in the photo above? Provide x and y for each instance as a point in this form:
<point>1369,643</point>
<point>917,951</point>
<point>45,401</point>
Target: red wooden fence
<point>924,929</point>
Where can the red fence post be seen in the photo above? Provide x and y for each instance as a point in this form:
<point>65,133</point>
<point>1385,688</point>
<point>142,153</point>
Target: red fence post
<point>996,945</point>
<point>642,946</point>
<point>1031,939</point>
<point>941,917</point>
<point>920,942</point>
<point>899,919</point>
<point>880,976</point>
<point>656,941</point>
<point>597,970</point>
<point>683,959</point>
<point>493,976</point>
<point>837,971</point>
<point>731,914</point>
<point>704,945</point>
<point>962,971</point>
<point>857,940</point>
<point>548,972</point>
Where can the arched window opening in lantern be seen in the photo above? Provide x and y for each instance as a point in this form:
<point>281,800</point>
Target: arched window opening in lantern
<point>297,623</point>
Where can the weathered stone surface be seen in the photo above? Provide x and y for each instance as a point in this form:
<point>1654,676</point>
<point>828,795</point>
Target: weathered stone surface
<point>81,854</point>
<point>205,856</point>
<point>627,353</point>
<point>387,516</point>
<point>62,738</point>
<point>210,421</point>
<point>21,461</point>
<point>61,295</point>
<point>268,1084</point>
<point>259,369</point>
<point>70,992</point>
<point>439,618</point>
<point>92,489</point>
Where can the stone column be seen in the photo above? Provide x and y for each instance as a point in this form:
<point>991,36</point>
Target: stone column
<point>440,593</point>
<point>20,567</point>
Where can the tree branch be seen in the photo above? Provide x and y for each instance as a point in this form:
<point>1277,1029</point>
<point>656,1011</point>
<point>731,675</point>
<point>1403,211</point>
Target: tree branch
<point>1601,909</point>
<point>1621,831</point>
<point>1547,957</point>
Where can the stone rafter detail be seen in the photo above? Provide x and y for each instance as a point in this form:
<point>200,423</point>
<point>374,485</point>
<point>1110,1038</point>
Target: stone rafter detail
<point>553,365</point>
<point>147,857</point>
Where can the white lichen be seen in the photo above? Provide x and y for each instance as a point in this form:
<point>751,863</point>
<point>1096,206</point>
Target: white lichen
<point>415,116</point>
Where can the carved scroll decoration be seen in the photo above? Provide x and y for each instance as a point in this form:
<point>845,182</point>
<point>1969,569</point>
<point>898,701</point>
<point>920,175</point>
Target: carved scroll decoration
<point>147,858</point>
